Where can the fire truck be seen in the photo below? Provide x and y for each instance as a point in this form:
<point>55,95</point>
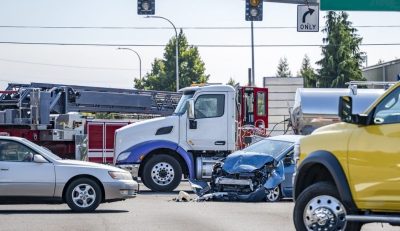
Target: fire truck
<point>56,116</point>
<point>209,123</point>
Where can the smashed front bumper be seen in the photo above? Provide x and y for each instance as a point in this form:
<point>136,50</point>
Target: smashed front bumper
<point>204,192</point>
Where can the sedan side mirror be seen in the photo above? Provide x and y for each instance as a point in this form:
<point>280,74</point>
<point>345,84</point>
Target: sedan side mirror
<point>39,159</point>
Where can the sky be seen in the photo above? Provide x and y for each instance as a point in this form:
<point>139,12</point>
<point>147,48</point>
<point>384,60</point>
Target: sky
<point>106,66</point>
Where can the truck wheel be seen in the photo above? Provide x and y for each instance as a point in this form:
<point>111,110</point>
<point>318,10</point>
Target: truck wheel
<point>162,173</point>
<point>83,195</point>
<point>274,194</point>
<point>319,207</point>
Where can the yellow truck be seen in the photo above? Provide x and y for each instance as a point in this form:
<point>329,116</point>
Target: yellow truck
<point>348,173</point>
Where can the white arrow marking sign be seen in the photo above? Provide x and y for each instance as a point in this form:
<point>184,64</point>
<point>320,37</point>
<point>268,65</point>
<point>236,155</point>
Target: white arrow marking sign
<point>308,18</point>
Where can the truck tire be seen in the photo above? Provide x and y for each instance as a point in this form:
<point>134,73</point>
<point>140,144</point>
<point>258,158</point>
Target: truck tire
<point>319,207</point>
<point>162,173</point>
<point>83,195</point>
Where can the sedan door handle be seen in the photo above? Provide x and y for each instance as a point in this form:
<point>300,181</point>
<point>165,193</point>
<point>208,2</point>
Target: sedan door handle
<point>3,169</point>
<point>219,142</point>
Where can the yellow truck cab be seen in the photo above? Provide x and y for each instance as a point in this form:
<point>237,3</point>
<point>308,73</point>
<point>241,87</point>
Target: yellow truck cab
<point>348,173</point>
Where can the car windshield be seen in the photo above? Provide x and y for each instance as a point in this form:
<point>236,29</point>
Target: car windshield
<point>269,147</point>
<point>44,150</point>
<point>181,108</point>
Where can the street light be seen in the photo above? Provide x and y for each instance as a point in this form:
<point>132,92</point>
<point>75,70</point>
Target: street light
<point>176,49</point>
<point>140,60</point>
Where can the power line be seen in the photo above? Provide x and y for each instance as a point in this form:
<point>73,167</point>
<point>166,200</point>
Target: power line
<point>169,28</point>
<point>66,66</point>
<point>197,45</point>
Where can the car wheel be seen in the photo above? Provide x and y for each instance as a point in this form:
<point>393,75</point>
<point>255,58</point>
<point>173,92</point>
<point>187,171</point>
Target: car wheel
<point>83,195</point>
<point>274,194</point>
<point>319,207</point>
<point>162,173</point>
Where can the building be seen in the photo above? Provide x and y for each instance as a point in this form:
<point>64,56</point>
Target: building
<point>281,94</point>
<point>383,72</point>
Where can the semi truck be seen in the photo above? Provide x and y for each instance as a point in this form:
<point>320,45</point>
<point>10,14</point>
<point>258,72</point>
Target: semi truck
<point>208,123</point>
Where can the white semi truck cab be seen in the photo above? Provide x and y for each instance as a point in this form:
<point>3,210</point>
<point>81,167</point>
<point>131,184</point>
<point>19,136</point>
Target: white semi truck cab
<point>202,130</point>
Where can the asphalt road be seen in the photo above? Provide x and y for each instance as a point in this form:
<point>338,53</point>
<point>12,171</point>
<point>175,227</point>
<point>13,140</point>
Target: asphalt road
<point>155,211</point>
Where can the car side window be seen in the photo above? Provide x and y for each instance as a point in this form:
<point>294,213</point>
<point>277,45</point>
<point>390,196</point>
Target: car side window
<point>209,106</point>
<point>388,110</point>
<point>12,151</point>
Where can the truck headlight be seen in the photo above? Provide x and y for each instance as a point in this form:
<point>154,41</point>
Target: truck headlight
<point>120,175</point>
<point>123,156</point>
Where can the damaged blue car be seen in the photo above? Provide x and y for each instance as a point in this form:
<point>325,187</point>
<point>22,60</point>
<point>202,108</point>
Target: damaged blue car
<point>261,172</point>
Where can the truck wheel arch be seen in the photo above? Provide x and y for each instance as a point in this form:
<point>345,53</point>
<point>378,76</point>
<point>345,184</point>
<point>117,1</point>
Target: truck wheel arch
<point>142,152</point>
<point>323,166</point>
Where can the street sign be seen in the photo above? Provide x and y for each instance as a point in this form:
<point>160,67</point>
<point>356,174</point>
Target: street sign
<point>307,18</point>
<point>361,5</point>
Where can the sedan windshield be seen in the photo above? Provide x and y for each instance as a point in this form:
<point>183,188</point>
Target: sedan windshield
<point>269,147</point>
<point>44,150</point>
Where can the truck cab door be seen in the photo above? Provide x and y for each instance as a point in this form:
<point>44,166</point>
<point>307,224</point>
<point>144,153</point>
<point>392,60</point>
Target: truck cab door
<point>209,128</point>
<point>374,157</point>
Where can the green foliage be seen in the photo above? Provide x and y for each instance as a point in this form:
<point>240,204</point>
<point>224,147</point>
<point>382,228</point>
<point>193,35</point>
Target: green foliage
<point>163,72</point>
<point>232,82</point>
<point>308,73</point>
<point>342,58</point>
<point>283,68</point>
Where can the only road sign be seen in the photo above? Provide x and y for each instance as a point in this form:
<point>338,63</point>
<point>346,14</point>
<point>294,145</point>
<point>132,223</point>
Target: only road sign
<point>308,18</point>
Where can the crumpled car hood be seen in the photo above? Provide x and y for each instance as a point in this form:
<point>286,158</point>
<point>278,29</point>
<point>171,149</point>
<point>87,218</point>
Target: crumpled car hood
<point>240,162</point>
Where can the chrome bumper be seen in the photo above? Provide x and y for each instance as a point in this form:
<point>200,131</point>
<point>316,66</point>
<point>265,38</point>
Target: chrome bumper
<point>132,168</point>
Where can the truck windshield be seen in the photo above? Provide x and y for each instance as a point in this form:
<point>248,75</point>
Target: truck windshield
<point>181,108</point>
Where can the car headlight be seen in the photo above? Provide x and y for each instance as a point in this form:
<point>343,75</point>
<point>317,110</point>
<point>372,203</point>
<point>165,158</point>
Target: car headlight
<point>120,175</point>
<point>123,156</point>
<point>296,152</point>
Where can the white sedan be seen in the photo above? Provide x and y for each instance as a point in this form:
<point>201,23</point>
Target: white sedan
<point>32,174</point>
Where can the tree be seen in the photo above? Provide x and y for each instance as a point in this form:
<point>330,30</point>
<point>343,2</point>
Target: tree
<point>342,58</point>
<point>308,73</point>
<point>283,68</point>
<point>163,73</point>
<point>232,82</point>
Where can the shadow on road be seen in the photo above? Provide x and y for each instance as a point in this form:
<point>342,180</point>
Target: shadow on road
<point>67,211</point>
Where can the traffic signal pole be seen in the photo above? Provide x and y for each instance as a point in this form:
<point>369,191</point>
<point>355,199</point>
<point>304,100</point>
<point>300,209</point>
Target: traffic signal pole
<point>252,55</point>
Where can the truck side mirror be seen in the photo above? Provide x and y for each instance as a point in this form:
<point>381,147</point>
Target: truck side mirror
<point>346,109</point>
<point>346,112</point>
<point>190,109</point>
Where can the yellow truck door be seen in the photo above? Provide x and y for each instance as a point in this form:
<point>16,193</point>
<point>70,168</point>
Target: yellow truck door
<point>374,158</point>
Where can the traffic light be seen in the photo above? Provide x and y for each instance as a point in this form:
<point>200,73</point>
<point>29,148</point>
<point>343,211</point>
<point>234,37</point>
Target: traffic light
<point>254,10</point>
<point>146,7</point>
